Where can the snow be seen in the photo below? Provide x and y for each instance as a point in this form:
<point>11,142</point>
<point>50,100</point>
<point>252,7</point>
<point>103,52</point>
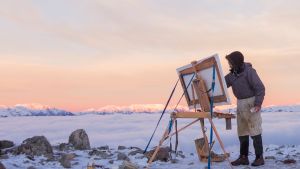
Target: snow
<point>280,128</point>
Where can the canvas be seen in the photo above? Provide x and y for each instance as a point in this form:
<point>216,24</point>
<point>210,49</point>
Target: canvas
<point>204,68</point>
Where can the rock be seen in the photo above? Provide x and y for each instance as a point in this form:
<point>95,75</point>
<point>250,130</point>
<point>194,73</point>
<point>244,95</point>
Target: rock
<point>65,147</point>
<point>2,166</point>
<point>122,156</point>
<point>192,163</point>
<point>6,144</point>
<point>31,167</point>
<point>66,159</point>
<point>80,140</point>
<point>128,165</point>
<point>289,161</point>
<point>174,161</point>
<point>270,158</point>
<point>121,147</point>
<point>35,146</point>
<point>135,152</point>
<point>162,155</point>
<point>4,157</point>
<point>111,161</point>
<point>104,148</point>
<point>102,154</point>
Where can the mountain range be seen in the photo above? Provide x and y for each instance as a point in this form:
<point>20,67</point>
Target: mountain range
<point>42,110</point>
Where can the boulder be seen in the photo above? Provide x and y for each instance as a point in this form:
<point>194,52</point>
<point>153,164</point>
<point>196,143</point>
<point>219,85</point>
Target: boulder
<point>66,159</point>
<point>6,144</point>
<point>2,166</point>
<point>162,155</point>
<point>35,146</point>
<point>128,165</point>
<point>80,140</point>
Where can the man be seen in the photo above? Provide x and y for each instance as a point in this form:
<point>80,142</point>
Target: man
<point>249,91</point>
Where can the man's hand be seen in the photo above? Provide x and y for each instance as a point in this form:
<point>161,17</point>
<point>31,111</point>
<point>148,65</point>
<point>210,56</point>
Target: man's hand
<point>255,109</point>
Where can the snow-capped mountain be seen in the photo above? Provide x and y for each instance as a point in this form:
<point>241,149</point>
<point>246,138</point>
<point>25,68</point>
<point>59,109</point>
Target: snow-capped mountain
<point>42,110</point>
<point>135,108</point>
<point>32,110</point>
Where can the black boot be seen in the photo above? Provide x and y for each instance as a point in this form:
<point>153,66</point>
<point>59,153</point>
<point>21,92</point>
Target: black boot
<point>244,151</point>
<point>242,160</point>
<point>258,146</point>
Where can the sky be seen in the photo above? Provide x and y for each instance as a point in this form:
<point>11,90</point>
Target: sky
<point>76,55</point>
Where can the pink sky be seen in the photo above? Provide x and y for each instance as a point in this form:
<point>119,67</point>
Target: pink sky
<point>88,54</point>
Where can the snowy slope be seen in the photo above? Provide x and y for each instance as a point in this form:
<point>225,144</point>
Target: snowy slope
<point>136,129</point>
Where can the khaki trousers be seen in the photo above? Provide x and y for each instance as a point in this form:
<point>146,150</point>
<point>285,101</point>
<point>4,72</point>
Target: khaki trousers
<point>248,123</point>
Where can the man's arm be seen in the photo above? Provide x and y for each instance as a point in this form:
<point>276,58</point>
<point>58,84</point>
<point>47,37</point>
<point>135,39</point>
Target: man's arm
<point>258,87</point>
<point>228,81</point>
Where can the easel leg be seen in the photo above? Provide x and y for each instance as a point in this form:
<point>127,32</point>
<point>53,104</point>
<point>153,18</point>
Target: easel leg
<point>220,141</point>
<point>165,135</point>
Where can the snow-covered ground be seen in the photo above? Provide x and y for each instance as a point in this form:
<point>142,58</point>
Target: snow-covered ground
<point>280,128</point>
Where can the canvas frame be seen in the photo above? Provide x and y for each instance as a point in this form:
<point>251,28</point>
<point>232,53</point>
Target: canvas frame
<point>204,67</point>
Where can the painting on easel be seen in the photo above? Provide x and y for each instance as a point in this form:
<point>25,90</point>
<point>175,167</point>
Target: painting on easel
<point>204,69</point>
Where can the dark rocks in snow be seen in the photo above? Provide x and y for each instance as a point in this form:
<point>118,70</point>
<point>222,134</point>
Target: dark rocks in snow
<point>65,147</point>
<point>121,147</point>
<point>35,146</point>
<point>162,155</point>
<point>80,140</point>
<point>66,159</point>
<point>122,156</point>
<point>104,148</point>
<point>270,158</point>
<point>31,167</point>
<point>289,161</point>
<point>174,161</point>
<point>6,144</point>
<point>128,165</point>
<point>135,152</point>
<point>2,166</point>
<point>4,156</point>
<point>102,154</point>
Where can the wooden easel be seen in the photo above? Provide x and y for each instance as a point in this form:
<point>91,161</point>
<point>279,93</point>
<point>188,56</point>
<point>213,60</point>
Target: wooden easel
<point>198,87</point>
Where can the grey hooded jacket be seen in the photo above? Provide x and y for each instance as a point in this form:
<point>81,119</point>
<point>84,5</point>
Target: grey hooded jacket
<point>247,84</point>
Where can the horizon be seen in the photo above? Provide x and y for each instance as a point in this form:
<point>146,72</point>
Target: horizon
<point>77,55</point>
<point>133,107</point>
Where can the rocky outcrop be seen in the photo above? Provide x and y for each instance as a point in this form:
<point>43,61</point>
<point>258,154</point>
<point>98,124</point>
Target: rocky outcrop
<point>35,146</point>
<point>6,144</point>
<point>80,140</point>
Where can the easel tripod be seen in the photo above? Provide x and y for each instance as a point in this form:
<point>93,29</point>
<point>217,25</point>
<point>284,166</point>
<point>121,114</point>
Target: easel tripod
<point>199,89</point>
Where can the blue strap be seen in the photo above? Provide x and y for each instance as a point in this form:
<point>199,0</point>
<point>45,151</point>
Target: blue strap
<point>211,114</point>
<point>162,114</point>
<point>166,109</point>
